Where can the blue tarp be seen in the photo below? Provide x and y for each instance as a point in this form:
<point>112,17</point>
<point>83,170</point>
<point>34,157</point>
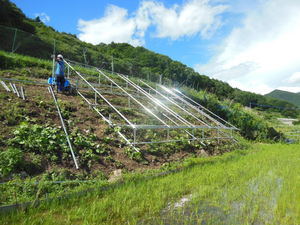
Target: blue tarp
<point>52,81</point>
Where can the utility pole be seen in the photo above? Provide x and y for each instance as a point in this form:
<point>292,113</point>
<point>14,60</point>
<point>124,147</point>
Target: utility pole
<point>53,57</point>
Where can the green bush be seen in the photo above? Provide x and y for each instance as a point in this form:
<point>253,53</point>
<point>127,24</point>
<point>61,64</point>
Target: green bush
<point>250,126</point>
<point>11,160</point>
<point>297,122</point>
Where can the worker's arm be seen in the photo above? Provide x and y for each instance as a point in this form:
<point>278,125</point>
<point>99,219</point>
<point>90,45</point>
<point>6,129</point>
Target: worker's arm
<point>53,57</point>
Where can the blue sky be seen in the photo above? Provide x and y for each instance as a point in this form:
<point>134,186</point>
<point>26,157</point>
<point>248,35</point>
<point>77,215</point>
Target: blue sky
<point>245,43</point>
<point>64,16</point>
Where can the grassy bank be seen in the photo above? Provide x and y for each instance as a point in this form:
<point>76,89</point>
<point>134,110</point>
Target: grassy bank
<point>260,186</point>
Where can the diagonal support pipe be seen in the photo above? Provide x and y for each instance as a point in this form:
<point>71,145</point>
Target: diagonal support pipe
<point>63,125</point>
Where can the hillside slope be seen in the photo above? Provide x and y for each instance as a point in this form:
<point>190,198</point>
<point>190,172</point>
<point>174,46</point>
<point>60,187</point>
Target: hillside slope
<point>293,98</point>
<point>41,41</point>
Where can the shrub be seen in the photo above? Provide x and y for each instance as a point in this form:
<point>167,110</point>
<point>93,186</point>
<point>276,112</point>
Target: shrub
<point>10,161</point>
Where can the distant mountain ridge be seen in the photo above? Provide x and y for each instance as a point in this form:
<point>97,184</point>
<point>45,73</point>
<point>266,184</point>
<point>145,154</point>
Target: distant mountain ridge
<point>293,98</point>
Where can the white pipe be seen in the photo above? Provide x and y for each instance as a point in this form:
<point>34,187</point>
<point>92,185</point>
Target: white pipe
<point>138,102</point>
<point>63,125</point>
<point>156,101</point>
<point>114,108</point>
<point>174,103</point>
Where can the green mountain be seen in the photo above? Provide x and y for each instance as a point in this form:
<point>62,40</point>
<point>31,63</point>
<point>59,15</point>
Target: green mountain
<point>26,36</point>
<point>293,98</point>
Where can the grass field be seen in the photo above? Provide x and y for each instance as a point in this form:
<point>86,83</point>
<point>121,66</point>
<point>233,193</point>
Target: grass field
<point>260,185</point>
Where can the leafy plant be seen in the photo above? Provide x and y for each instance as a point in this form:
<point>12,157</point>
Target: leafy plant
<point>39,139</point>
<point>10,161</point>
<point>133,154</point>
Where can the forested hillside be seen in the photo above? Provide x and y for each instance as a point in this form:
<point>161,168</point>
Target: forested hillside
<point>40,41</point>
<point>293,98</point>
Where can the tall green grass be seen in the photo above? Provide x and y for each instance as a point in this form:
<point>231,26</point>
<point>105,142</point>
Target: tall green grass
<point>258,186</point>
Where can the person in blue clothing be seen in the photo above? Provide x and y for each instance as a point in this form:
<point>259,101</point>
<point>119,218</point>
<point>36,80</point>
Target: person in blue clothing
<point>60,73</point>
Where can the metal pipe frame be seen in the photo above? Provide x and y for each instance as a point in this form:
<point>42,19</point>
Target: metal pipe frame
<point>189,104</point>
<point>139,90</point>
<point>45,83</point>
<point>136,126</point>
<point>176,140</point>
<point>16,90</point>
<point>201,112</point>
<point>217,122</point>
<point>5,86</point>
<point>138,102</point>
<point>12,87</point>
<point>22,93</point>
<point>178,125</point>
<point>108,102</point>
<point>156,101</point>
<point>202,107</point>
<point>109,122</point>
<point>63,125</point>
<point>97,85</point>
<point>174,103</point>
<point>128,94</point>
<point>174,127</point>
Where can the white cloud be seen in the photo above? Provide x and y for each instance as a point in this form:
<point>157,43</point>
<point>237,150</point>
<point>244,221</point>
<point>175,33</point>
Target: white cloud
<point>191,18</point>
<point>251,86</point>
<point>43,17</point>
<point>290,89</point>
<point>263,52</point>
<point>114,26</point>
<point>294,78</point>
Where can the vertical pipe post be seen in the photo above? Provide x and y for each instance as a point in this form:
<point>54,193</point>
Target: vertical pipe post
<point>134,136</point>
<point>129,102</point>
<point>22,93</point>
<point>12,87</point>
<point>168,134</point>
<point>53,62</point>
<point>194,138</point>
<point>5,86</point>
<point>77,84</point>
<point>17,92</point>
<point>14,40</point>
